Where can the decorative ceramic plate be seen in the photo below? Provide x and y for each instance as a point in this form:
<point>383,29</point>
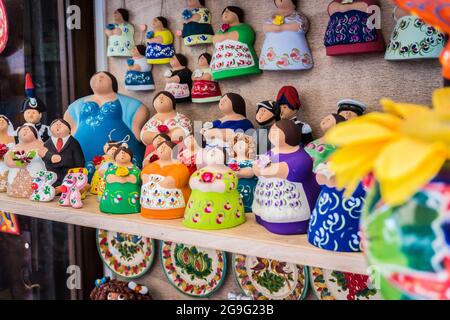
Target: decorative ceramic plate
<point>336,285</point>
<point>9,223</point>
<point>126,255</point>
<point>266,279</point>
<point>3,27</point>
<point>194,271</point>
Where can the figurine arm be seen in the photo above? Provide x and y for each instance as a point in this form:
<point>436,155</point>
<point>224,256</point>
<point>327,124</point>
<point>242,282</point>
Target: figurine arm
<point>109,33</point>
<point>139,121</point>
<point>9,160</point>
<point>135,67</point>
<point>246,173</point>
<point>155,40</point>
<point>294,27</point>
<point>276,170</point>
<point>206,77</point>
<point>234,35</point>
<point>175,79</point>
<point>271,28</point>
<point>145,178</point>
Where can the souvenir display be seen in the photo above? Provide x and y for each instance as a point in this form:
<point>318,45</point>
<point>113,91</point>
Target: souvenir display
<point>285,46</point>
<point>73,187</point>
<point>123,184</point>
<point>413,39</point>
<point>267,279</point>
<point>267,113</point>
<point>7,141</point>
<point>351,29</point>
<point>139,73</point>
<point>165,186</point>
<point>234,54</point>
<point>107,289</point>
<point>197,27</point>
<point>9,223</point>
<point>188,155</point>
<point>4,27</point>
<point>92,118</point>
<point>204,89</point>
<point>127,256</point>
<point>120,35</point>
<point>351,109</point>
<point>287,190</point>
<point>43,189</point>
<point>160,46</point>
<point>196,272</point>
<point>288,101</point>
<point>243,155</point>
<point>215,202</point>
<point>179,79</point>
<point>337,285</point>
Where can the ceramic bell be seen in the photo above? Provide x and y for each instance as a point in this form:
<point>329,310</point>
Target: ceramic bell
<point>285,46</point>
<point>179,79</point>
<point>120,35</point>
<point>287,189</point>
<point>73,188</point>
<point>123,185</point>
<point>139,74</point>
<point>7,142</point>
<point>165,185</point>
<point>197,27</point>
<point>352,28</point>
<point>234,54</point>
<point>215,202</point>
<point>350,109</point>
<point>107,289</point>
<point>43,189</point>
<point>204,89</point>
<point>160,47</point>
<point>267,114</point>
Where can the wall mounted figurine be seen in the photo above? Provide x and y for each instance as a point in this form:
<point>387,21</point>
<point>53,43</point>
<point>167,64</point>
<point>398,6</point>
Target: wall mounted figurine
<point>234,54</point>
<point>350,109</point>
<point>120,35</point>
<point>139,73</point>
<point>7,142</point>
<point>43,187</point>
<point>285,46</point>
<point>160,47</point>
<point>287,189</point>
<point>107,289</point>
<point>73,188</point>
<point>179,79</point>
<point>267,114</point>
<point>348,30</point>
<point>197,27</point>
<point>204,89</point>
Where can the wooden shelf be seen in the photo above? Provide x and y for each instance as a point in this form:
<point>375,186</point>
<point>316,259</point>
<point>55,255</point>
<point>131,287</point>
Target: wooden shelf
<point>248,239</point>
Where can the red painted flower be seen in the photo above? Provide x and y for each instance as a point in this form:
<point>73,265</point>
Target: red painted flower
<point>208,177</point>
<point>163,129</point>
<point>97,160</point>
<point>225,27</point>
<point>234,166</point>
<point>34,186</point>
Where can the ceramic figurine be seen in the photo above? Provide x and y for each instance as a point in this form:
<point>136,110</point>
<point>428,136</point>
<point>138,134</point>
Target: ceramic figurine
<point>287,190</point>
<point>139,74</point>
<point>107,289</point>
<point>73,188</point>
<point>92,118</point>
<point>243,154</point>
<point>204,89</point>
<point>288,101</point>
<point>123,184</point>
<point>179,79</point>
<point>7,142</point>
<point>234,54</point>
<point>165,186</point>
<point>43,189</point>
<point>350,109</point>
<point>188,154</point>
<point>160,47</point>
<point>285,46</point>
<point>348,30</point>
<point>215,202</point>
<point>120,35</point>
<point>413,39</point>
<point>33,109</point>
<point>197,27</point>
<point>25,162</point>
<point>267,113</point>
<point>152,156</point>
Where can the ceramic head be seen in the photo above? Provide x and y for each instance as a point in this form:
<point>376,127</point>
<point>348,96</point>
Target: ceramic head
<point>178,61</point>
<point>6,126</point>
<point>243,146</point>
<point>32,116</point>
<point>288,100</point>
<point>286,4</point>
<point>330,121</point>
<point>165,150</point>
<point>192,4</point>
<point>60,128</point>
<point>267,112</point>
<point>32,102</point>
<point>233,15</point>
<point>160,138</point>
<point>351,109</point>
<point>121,16</point>
<point>285,133</point>
<point>123,156</point>
<point>27,133</point>
<point>233,103</point>
<point>110,149</point>
<point>117,290</point>
<point>204,61</point>
<point>164,102</point>
<point>104,82</point>
<point>160,23</point>
<point>215,156</point>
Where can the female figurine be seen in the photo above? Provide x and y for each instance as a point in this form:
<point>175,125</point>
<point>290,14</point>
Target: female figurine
<point>165,188</point>
<point>160,48</point>
<point>267,114</point>
<point>197,27</point>
<point>285,46</point>
<point>7,142</point>
<point>151,156</point>
<point>139,74</point>
<point>287,190</point>
<point>215,202</point>
<point>179,79</point>
<point>234,54</point>
<point>120,35</point>
<point>123,185</point>
<point>188,155</point>
<point>205,90</point>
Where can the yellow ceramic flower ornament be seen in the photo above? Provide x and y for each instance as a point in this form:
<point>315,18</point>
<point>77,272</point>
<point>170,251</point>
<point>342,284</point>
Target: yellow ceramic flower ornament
<point>122,172</point>
<point>278,20</point>
<point>405,147</point>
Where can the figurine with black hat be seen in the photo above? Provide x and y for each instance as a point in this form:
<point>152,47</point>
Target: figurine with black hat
<point>349,108</point>
<point>267,114</point>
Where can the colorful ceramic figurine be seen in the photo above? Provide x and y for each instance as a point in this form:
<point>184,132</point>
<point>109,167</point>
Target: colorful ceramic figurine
<point>151,156</point>
<point>215,202</point>
<point>285,46</point>
<point>267,113</point>
<point>123,184</point>
<point>160,48</point>
<point>73,188</point>
<point>205,90</point>
<point>165,188</point>
<point>188,155</point>
<point>234,54</point>
<point>287,190</point>
<point>7,142</point>
<point>353,28</point>
<point>120,35</point>
<point>139,74</point>
<point>92,118</point>
<point>197,27</point>
<point>179,79</point>
<point>43,189</point>
<point>288,101</point>
<point>115,290</point>
<point>350,109</point>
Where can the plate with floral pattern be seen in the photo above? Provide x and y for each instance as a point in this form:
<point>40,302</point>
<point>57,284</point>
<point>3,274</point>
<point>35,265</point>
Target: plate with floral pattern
<point>267,279</point>
<point>337,285</point>
<point>127,256</point>
<point>194,271</point>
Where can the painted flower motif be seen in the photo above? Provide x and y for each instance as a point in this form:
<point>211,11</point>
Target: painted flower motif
<point>186,14</point>
<point>234,166</point>
<point>98,160</point>
<point>122,172</point>
<point>278,20</point>
<point>3,150</point>
<point>225,27</point>
<point>207,177</point>
<point>271,55</point>
<point>163,129</point>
